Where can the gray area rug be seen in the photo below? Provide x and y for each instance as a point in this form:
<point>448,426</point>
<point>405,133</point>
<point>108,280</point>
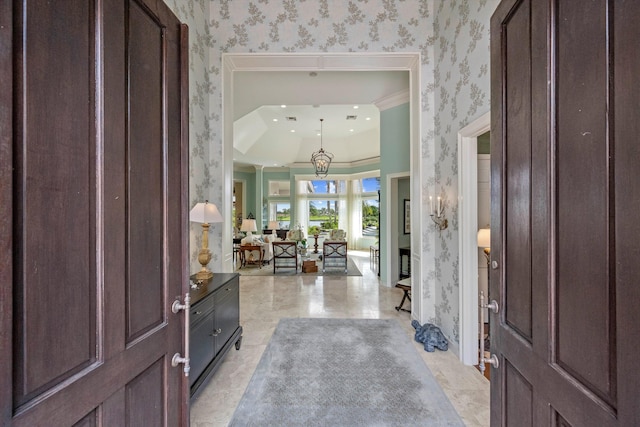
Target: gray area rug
<point>267,270</point>
<point>343,372</point>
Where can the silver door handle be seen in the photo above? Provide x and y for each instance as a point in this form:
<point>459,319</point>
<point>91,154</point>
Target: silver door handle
<point>493,361</point>
<point>493,306</point>
<point>216,332</point>
<point>175,308</point>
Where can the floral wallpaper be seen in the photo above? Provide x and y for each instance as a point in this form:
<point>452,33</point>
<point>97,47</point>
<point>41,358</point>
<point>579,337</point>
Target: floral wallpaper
<point>462,91</point>
<point>453,39</point>
<point>194,13</point>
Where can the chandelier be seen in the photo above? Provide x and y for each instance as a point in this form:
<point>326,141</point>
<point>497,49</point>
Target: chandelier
<point>321,159</point>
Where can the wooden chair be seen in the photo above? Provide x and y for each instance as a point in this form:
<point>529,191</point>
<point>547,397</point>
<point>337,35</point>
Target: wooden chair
<point>405,285</point>
<point>285,255</point>
<point>334,253</point>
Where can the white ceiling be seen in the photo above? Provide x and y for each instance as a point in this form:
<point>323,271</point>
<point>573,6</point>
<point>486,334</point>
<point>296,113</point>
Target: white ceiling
<point>310,96</point>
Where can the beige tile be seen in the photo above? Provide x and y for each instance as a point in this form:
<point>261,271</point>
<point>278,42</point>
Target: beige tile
<point>264,300</point>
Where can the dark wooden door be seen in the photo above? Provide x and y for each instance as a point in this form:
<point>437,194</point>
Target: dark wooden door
<point>92,213</point>
<point>565,204</point>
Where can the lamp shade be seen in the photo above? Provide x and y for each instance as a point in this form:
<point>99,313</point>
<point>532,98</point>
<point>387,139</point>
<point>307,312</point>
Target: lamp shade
<point>484,238</point>
<point>205,213</point>
<point>274,225</point>
<point>248,225</point>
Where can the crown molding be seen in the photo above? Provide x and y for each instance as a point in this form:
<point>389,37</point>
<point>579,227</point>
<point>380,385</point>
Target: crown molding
<point>392,100</point>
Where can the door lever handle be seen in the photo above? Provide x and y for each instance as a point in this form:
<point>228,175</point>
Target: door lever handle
<point>175,308</point>
<point>493,361</point>
<point>493,306</point>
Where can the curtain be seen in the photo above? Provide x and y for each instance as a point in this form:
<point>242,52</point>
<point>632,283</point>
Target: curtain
<point>273,207</point>
<point>354,217</point>
<point>302,206</point>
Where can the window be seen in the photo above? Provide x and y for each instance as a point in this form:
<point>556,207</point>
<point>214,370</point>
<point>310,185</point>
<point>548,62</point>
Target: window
<point>349,204</point>
<point>279,188</point>
<point>281,212</point>
<point>324,214</point>
<point>323,203</point>
<point>324,187</point>
<point>371,206</point>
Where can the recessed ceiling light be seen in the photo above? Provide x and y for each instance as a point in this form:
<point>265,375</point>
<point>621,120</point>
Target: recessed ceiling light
<point>368,118</point>
<point>355,107</point>
<point>350,130</point>
<point>275,120</point>
<point>283,106</point>
<point>293,130</point>
<point>318,134</point>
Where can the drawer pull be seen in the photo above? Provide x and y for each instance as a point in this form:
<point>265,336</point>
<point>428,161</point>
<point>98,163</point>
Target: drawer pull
<point>197,312</point>
<point>216,333</point>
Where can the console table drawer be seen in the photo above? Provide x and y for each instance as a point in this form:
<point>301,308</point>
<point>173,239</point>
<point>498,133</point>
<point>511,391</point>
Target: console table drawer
<point>227,313</point>
<point>201,344</point>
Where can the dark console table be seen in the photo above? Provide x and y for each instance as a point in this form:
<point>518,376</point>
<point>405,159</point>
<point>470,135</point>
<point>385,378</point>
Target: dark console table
<point>214,326</point>
<point>282,234</point>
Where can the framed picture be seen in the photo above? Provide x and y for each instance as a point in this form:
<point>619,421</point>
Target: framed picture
<point>407,216</point>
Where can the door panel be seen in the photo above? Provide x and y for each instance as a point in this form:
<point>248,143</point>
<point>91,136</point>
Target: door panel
<point>145,164</point>
<point>88,421</point>
<point>143,392</point>
<point>518,159</point>
<point>519,397</point>
<point>565,111</point>
<point>582,251</point>
<point>227,313</point>
<point>626,205</point>
<point>47,188</point>
<point>94,225</point>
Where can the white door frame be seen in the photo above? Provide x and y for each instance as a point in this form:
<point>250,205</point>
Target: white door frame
<point>467,235</point>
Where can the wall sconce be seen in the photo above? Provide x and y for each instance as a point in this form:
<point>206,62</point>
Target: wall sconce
<point>204,213</point>
<point>437,214</point>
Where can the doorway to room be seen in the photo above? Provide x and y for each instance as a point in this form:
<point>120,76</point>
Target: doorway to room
<point>328,62</point>
<point>474,189</point>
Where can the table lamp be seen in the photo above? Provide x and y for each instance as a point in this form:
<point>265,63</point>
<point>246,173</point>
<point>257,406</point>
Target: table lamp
<point>248,225</point>
<point>273,226</point>
<point>205,213</point>
<point>484,241</point>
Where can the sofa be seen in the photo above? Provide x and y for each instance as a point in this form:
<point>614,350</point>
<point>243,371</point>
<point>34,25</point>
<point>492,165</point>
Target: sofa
<point>263,240</point>
<point>295,235</point>
<point>337,235</point>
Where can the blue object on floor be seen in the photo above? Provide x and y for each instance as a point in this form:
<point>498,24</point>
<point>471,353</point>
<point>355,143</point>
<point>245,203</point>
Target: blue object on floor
<point>431,336</point>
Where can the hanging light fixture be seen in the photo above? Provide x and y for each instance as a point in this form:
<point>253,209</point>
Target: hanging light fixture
<point>321,159</point>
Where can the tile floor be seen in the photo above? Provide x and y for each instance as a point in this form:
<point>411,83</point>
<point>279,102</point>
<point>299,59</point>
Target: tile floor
<point>264,300</point>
